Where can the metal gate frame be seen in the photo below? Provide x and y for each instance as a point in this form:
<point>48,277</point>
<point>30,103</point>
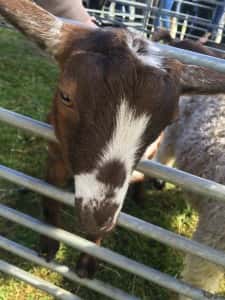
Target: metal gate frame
<point>185,180</point>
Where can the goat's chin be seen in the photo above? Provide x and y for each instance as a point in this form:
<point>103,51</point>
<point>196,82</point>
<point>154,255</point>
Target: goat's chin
<point>98,234</point>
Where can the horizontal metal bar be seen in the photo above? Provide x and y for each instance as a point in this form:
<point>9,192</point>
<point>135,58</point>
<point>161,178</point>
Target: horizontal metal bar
<point>151,168</point>
<point>106,255</point>
<point>116,13</point>
<point>131,223</point>
<point>191,57</point>
<point>214,2</point>
<point>36,185</point>
<point>193,3</point>
<point>93,284</point>
<point>28,124</point>
<point>39,283</point>
<point>185,180</point>
<point>131,3</point>
<point>196,4</point>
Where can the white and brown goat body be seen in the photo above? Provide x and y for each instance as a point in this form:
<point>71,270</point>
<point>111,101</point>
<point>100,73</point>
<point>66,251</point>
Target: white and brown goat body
<point>116,93</point>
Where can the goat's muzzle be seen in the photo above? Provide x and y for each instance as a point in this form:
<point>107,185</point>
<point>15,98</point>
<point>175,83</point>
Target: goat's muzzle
<point>96,220</point>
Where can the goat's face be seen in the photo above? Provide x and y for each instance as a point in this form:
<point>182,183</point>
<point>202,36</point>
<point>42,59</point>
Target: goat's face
<point>101,118</point>
<point>115,95</point>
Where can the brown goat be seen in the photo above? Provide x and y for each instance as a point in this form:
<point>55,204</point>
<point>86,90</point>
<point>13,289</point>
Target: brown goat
<point>115,94</point>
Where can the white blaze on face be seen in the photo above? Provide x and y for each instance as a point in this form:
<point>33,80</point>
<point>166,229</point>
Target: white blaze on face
<point>123,146</point>
<point>127,136</point>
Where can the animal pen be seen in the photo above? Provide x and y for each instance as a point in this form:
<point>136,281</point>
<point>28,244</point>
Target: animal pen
<point>150,168</point>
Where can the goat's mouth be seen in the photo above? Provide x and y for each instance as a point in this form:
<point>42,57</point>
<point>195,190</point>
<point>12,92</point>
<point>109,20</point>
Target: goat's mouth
<point>96,221</point>
<point>93,230</point>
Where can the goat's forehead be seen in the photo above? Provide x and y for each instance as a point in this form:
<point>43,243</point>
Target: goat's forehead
<point>118,43</point>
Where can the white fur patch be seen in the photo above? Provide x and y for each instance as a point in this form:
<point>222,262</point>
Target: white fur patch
<point>152,57</point>
<point>88,187</point>
<point>123,146</point>
<point>93,192</point>
<point>127,135</point>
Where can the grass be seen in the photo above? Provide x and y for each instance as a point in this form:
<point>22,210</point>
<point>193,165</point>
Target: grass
<point>27,82</point>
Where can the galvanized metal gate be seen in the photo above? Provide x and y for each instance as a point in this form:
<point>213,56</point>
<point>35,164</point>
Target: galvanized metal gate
<point>184,20</point>
<point>185,180</point>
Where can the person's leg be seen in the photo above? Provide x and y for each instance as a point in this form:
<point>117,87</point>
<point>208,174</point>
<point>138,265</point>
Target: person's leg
<point>70,9</point>
<point>167,4</point>
<point>157,20</point>
<point>213,28</point>
<point>195,14</point>
<point>157,15</point>
<point>219,11</point>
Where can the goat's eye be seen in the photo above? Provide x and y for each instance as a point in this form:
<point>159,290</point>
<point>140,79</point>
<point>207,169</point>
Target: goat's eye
<point>65,99</point>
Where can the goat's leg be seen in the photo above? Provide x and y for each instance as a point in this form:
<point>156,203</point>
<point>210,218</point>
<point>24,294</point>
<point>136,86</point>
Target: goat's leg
<point>87,265</point>
<point>210,231</point>
<point>57,175</point>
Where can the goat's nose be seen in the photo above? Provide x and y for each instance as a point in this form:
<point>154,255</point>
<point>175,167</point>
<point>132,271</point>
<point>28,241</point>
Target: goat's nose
<point>105,214</point>
<point>99,219</point>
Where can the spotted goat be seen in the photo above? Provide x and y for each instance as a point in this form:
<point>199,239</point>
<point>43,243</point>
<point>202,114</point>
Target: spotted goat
<point>116,92</point>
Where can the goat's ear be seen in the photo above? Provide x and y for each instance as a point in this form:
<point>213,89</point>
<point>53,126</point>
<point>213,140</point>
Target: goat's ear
<point>200,80</point>
<point>48,31</point>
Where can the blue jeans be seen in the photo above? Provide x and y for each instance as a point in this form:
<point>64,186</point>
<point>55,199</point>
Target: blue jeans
<point>164,4</point>
<point>218,13</point>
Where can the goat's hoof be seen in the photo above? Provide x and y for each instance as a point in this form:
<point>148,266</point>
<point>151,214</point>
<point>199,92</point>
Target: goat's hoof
<point>48,248</point>
<point>86,266</point>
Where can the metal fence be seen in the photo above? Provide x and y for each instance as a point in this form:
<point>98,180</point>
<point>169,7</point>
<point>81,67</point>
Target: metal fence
<point>185,180</point>
<point>186,18</point>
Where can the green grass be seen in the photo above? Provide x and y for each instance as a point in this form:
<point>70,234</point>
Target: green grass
<point>27,82</point>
